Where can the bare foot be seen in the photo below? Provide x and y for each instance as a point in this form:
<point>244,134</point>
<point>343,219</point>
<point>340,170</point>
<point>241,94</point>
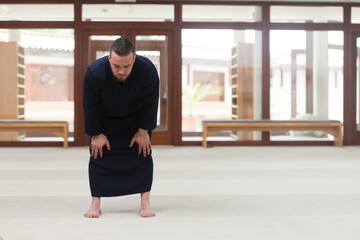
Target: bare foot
<point>94,211</point>
<point>145,210</point>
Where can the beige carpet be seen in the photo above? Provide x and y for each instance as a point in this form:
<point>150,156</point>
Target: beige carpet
<point>279,193</point>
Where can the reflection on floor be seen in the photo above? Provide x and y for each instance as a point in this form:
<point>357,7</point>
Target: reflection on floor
<point>45,139</point>
<point>272,138</point>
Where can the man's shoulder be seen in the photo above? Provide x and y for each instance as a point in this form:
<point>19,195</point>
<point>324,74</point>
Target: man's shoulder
<point>99,64</point>
<point>144,62</point>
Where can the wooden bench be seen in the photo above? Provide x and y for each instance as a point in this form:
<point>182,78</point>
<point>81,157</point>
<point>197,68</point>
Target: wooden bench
<point>58,128</point>
<point>332,127</point>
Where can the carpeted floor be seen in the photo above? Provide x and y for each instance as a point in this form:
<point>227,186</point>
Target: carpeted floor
<point>240,193</point>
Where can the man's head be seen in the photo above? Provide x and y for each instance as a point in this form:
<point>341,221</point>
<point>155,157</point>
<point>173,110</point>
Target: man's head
<point>122,58</point>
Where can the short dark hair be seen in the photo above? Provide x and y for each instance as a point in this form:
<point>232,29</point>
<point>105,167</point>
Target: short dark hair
<point>122,47</point>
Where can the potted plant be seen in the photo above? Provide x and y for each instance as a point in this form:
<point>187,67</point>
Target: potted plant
<point>191,95</point>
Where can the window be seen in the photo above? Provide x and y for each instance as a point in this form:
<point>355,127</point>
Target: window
<point>36,12</point>
<point>221,79</point>
<point>128,12</point>
<point>355,15</point>
<point>218,13</point>
<point>44,78</point>
<point>306,79</point>
<point>299,14</point>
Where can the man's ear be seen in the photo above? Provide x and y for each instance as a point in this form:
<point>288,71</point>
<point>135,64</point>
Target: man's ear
<point>134,57</point>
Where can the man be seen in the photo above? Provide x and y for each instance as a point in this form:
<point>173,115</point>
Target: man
<point>121,94</point>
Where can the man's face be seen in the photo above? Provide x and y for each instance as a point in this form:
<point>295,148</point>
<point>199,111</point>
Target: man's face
<point>121,66</point>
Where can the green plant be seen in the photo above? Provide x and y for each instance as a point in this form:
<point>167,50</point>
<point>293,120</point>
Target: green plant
<point>190,94</point>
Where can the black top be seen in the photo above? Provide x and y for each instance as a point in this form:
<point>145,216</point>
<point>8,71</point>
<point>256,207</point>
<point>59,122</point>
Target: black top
<point>110,104</point>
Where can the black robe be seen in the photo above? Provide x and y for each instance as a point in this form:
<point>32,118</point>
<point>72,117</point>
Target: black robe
<point>118,110</point>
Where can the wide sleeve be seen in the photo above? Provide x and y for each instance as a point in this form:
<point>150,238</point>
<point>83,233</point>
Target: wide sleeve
<point>150,101</point>
<point>91,103</point>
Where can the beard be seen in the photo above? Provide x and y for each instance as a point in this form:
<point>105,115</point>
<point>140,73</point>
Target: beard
<point>121,78</point>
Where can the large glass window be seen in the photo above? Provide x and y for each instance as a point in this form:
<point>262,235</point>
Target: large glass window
<point>36,12</point>
<point>216,13</point>
<point>38,83</point>
<point>221,79</point>
<point>128,12</point>
<point>299,14</point>
<point>306,79</point>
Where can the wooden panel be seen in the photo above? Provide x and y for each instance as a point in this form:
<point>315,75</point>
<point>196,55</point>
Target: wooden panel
<point>242,85</point>
<point>12,89</point>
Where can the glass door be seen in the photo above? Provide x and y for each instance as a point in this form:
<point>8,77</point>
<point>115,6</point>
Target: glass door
<point>354,106</point>
<point>153,45</point>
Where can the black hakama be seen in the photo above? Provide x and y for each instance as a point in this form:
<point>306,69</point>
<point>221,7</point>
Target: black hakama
<point>118,110</point>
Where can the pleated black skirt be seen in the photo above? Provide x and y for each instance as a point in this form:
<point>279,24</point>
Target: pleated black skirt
<point>121,171</point>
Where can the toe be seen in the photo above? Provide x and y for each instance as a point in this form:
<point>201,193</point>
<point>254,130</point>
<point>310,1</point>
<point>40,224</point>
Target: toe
<point>147,214</point>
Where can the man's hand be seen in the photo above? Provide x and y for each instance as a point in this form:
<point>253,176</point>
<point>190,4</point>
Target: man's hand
<point>143,140</point>
<point>97,144</point>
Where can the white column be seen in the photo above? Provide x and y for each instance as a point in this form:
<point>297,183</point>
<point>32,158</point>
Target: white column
<point>320,75</point>
<point>15,35</point>
<point>258,73</point>
<point>257,80</point>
